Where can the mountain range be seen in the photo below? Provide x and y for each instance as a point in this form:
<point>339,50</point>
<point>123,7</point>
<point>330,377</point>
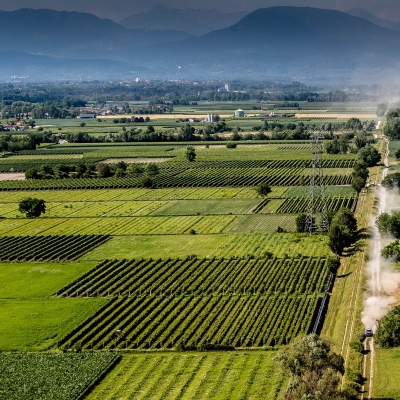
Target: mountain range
<point>278,43</point>
<point>189,20</point>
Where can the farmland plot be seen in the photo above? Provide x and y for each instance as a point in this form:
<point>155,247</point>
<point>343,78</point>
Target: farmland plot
<point>226,376</point>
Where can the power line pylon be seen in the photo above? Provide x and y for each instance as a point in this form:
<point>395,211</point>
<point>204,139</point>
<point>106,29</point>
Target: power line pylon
<point>317,198</point>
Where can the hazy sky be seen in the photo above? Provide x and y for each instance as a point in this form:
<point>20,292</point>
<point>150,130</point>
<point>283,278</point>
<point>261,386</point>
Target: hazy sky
<point>118,9</point>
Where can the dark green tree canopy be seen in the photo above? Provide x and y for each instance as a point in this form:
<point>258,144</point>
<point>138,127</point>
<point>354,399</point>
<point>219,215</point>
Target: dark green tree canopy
<point>313,368</point>
<point>342,231</point>
<point>301,222</point>
<point>392,180</point>
<point>358,183</point>
<point>152,169</point>
<point>190,153</point>
<point>103,170</point>
<point>369,155</point>
<point>392,126</point>
<point>392,250</point>
<point>263,189</point>
<point>388,333</point>
<point>32,207</point>
<point>389,224</point>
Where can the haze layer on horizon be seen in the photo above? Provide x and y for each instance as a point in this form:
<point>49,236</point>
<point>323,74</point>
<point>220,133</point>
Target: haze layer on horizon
<point>119,9</point>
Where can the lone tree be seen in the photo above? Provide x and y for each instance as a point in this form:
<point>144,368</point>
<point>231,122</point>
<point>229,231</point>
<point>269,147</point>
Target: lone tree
<point>369,155</point>
<point>263,189</point>
<point>32,207</point>
<point>190,154</point>
<point>313,368</point>
<point>342,232</point>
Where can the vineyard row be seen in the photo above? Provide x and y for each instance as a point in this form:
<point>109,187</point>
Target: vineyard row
<point>296,205</point>
<point>201,277</point>
<point>48,248</point>
<point>189,178</point>
<point>165,322</point>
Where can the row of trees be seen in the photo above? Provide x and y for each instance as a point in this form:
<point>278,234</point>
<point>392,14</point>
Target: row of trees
<point>392,126</point>
<point>341,143</point>
<point>91,170</point>
<point>360,176</point>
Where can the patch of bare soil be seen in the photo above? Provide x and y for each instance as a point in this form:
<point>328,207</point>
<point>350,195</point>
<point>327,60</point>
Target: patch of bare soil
<point>135,160</point>
<point>12,176</point>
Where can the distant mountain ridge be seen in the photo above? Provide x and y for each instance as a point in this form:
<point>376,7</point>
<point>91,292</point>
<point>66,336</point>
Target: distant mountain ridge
<point>287,40</point>
<point>62,32</point>
<point>358,12</point>
<point>189,20</point>
<point>291,43</point>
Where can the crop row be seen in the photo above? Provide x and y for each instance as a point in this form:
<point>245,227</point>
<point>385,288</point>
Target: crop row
<point>201,277</point>
<point>205,375</point>
<point>284,245</point>
<point>11,164</point>
<point>141,194</point>
<point>40,248</point>
<point>272,164</point>
<point>176,225</point>
<point>296,205</point>
<point>52,376</point>
<point>144,322</point>
<point>207,178</point>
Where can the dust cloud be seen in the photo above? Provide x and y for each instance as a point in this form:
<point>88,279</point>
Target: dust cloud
<point>384,281</point>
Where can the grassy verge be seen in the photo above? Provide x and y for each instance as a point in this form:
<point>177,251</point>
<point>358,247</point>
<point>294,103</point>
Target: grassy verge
<point>386,376</point>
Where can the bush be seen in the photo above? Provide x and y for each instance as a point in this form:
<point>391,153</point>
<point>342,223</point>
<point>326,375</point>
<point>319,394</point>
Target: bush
<point>147,182</point>
<point>357,346</point>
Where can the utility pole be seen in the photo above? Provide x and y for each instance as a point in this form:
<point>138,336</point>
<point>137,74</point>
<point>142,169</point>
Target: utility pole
<point>317,197</point>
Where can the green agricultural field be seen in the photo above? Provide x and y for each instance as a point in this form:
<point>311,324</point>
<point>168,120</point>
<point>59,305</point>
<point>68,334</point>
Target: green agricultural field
<point>34,280</point>
<point>200,258</point>
<point>279,244</point>
<point>297,191</point>
<point>232,375</point>
<point>38,324</point>
<point>208,207</point>
<point>158,246</point>
<point>223,245</point>
<point>162,303</point>
<point>162,194</point>
<point>31,320</point>
<point>262,223</point>
<point>386,377</point>
<point>51,376</point>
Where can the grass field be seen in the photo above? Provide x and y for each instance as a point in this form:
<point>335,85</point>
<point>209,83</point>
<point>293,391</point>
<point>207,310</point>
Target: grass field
<point>31,320</point>
<point>33,280</point>
<point>221,245</point>
<point>38,324</point>
<point>233,375</point>
<point>158,246</point>
<point>386,376</point>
